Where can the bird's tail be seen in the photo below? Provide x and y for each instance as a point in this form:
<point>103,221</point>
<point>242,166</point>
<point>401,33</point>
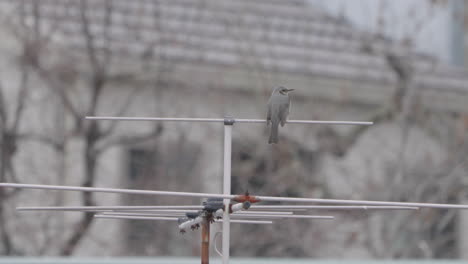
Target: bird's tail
<point>273,133</point>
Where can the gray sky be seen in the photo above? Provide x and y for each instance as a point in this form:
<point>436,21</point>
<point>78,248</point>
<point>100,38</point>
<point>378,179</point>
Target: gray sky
<point>401,18</point>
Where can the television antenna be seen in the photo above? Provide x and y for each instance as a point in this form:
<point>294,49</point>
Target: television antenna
<point>226,208</point>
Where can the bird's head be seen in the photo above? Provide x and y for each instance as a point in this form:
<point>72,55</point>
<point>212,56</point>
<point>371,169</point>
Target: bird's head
<point>282,90</point>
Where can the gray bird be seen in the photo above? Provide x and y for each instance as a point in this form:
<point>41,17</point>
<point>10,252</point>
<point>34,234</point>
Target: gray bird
<point>278,110</point>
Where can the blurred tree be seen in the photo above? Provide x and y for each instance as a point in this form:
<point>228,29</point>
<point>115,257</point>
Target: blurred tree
<point>260,44</point>
<point>60,76</point>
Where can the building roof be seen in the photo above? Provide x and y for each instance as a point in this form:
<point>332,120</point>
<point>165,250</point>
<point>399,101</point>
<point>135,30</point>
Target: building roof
<point>287,36</point>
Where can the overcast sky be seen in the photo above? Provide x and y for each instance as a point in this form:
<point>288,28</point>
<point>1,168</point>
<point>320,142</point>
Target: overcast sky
<point>401,18</point>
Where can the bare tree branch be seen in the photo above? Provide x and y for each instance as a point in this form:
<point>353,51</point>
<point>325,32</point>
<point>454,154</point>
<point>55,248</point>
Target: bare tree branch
<point>50,141</point>
<point>89,39</point>
<point>22,96</point>
<point>126,104</point>
<point>78,231</point>
<point>58,88</point>
<point>3,116</point>
<point>130,140</point>
<point>4,234</point>
<point>107,57</point>
<point>32,51</point>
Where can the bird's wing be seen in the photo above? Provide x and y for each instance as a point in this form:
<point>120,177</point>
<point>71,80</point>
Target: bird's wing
<point>284,110</point>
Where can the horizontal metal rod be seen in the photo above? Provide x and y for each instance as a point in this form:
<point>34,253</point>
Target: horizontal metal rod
<point>228,196</point>
<point>156,211</point>
<point>182,213</point>
<point>285,216</point>
<point>277,210</point>
<point>113,190</point>
<point>359,202</point>
<point>261,212</point>
<point>137,217</point>
<point>221,120</point>
<point>143,209</point>
<point>330,207</point>
<point>241,221</point>
<point>169,214</point>
<point>106,208</point>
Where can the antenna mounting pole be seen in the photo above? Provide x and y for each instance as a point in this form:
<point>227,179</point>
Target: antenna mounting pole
<point>228,123</point>
<point>205,241</point>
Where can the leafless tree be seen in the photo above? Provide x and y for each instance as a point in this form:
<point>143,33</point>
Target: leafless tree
<point>58,75</point>
<point>81,83</point>
<point>9,136</point>
<point>11,116</point>
<point>432,232</point>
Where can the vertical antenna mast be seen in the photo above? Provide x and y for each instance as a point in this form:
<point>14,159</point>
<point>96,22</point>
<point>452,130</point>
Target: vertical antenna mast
<point>228,123</point>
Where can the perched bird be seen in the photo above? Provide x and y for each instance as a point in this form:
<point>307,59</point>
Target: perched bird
<point>278,110</point>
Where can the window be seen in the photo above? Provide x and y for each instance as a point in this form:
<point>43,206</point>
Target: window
<point>169,165</point>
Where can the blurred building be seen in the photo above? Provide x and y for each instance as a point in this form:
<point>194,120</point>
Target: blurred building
<point>465,25</point>
<point>207,58</point>
<point>434,26</point>
<point>458,32</point>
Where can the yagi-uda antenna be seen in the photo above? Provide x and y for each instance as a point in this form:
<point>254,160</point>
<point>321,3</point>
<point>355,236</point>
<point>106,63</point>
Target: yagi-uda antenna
<point>226,208</point>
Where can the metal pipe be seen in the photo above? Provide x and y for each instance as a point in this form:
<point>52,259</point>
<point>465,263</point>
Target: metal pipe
<point>254,215</point>
<point>144,214</point>
<point>261,212</point>
<point>191,223</point>
<point>226,189</point>
<point>158,211</point>
<point>221,120</point>
<point>106,208</point>
<point>286,216</point>
<point>359,202</point>
<point>242,221</point>
<point>113,190</point>
<point>205,241</point>
<point>136,217</point>
<point>277,210</point>
<point>240,206</point>
<point>233,208</point>
<point>230,196</point>
<point>331,207</point>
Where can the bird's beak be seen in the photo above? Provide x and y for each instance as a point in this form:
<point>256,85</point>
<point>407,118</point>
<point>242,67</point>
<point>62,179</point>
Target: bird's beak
<point>289,90</point>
